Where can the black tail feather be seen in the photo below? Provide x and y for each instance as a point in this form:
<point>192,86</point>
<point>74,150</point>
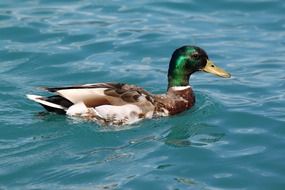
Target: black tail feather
<point>59,101</point>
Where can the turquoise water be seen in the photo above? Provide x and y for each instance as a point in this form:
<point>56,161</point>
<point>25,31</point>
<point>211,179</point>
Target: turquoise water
<point>232,139</point>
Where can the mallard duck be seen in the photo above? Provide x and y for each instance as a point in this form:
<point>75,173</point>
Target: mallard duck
<point>119,104</point>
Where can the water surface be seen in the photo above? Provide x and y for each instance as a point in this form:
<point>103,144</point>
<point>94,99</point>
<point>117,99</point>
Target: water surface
<point>232,139</point>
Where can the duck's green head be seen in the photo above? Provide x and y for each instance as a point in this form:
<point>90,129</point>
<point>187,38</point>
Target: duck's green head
<point>187,60</point>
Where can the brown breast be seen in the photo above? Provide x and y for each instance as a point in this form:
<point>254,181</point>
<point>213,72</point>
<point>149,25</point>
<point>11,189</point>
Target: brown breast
<point>175,101</point>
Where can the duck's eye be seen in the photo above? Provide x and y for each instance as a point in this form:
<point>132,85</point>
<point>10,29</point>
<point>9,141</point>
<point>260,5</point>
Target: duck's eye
<point>195,56</point>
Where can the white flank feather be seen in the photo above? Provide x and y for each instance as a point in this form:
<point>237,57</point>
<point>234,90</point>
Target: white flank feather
<point>77,109</point>
<point>126,113</point>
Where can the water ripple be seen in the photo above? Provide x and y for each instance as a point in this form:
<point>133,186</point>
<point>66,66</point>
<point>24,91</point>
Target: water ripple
<point>244,152</point>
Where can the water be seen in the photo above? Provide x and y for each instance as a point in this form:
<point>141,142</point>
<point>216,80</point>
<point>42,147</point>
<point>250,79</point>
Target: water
<point>232,139</point>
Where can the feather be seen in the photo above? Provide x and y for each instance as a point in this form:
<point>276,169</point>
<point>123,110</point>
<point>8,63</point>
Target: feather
<point>43,101</point>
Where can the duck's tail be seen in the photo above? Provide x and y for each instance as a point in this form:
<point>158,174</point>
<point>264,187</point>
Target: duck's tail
<point>55,103</point>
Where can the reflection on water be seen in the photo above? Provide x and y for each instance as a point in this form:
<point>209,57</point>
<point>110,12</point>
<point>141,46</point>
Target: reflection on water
<point>191,131</point>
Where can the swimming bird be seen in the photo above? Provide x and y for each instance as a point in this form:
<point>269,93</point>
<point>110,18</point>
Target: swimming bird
<point>120,104</point>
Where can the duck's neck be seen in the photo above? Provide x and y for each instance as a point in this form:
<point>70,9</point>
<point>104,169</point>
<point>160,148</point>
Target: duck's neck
<point>178,74</point>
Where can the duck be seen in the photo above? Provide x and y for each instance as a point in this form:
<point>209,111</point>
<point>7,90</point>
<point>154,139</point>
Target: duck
<point>119,104</point>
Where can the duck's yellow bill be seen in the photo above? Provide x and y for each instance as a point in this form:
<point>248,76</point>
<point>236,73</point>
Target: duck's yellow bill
<point>212,68</point>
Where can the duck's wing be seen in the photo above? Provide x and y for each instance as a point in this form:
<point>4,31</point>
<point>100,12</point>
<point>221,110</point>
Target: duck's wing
<point>97,94</point>
<point>85,86</point>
